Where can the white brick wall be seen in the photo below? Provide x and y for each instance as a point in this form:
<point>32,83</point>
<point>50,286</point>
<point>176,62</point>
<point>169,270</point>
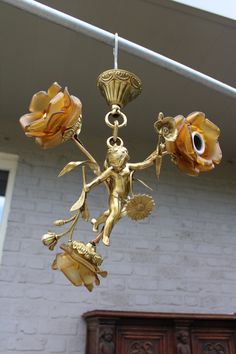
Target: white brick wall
<point>181,259</point>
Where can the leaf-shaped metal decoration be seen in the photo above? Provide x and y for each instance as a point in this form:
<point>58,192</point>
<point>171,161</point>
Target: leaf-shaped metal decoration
<point>70,166</point>
<point>85,212</point>
<point>158,165</point>
<point>94,167</point>
<point>80,202</point>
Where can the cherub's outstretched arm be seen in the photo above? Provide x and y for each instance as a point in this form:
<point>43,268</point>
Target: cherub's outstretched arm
<point>144,164</point>
<point>101,178</point>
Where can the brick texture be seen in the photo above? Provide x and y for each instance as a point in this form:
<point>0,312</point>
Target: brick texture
<point>181,259</point>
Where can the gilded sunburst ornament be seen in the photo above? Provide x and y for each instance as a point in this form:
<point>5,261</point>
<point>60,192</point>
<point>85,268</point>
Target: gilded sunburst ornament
<point>139,206</point>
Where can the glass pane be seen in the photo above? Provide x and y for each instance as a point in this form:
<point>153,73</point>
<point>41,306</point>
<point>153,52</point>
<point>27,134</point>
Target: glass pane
<point>2,201</point>
<point>3,187</point>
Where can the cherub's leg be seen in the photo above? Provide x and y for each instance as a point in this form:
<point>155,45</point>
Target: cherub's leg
<point>100,220</point>
<point>114,215</point>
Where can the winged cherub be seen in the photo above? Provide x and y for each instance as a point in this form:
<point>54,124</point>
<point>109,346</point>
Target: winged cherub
<point>118,176</point>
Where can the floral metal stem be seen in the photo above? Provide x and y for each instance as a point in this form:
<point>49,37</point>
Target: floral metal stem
<point>85,151</point>
<point>71,228</point>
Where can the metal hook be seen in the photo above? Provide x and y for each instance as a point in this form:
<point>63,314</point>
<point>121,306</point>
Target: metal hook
<point>115,52</point>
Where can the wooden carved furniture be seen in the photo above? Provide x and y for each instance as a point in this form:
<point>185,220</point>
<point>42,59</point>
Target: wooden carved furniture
<point>120,332</point>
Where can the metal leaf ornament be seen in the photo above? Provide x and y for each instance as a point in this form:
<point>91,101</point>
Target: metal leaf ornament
<point>80,202</point>
<point>70,166</point>
<point>73,164</point>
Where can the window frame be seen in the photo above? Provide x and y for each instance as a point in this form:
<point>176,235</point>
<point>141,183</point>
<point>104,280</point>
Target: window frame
<point>8,162</point>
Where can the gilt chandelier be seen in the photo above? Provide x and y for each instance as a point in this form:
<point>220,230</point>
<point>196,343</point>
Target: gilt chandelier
<point>55,116</point>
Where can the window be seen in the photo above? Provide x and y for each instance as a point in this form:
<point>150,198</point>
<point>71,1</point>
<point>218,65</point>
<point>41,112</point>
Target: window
<point>3,187</point>
<point>8,163</point>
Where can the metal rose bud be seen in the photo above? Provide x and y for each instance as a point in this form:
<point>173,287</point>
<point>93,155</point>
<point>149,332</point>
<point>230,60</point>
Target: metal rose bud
<point>166,127</point>
<point>49,240</point>
<point>59,222</point>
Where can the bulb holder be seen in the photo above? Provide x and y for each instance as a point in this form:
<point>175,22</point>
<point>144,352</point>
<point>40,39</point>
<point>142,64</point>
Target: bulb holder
<point>119,87</point>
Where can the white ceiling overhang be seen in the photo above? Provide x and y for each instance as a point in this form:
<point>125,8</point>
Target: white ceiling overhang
<point>35,52</point>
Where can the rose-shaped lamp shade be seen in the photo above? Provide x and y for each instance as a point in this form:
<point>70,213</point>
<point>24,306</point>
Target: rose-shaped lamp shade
<point>78,270</point>
<point>52,114</point>
<point>196,148</point>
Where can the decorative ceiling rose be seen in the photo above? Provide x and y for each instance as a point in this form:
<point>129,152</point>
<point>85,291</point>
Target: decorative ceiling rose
<point>55,117</point>
<point>119,87</point>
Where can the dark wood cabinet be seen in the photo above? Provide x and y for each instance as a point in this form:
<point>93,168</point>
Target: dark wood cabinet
<point>118,332</point>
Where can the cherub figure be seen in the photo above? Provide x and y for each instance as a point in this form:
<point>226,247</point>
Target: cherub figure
<point>106,345</point>
<point>183,346</point>
<point>118,176</point>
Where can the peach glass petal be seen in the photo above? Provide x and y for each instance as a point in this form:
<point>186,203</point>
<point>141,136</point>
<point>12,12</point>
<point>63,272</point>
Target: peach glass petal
<point>179,120</point>
<point>187,167</point>
<point>67,99</point>
<point>184,141</point>
<point>55,122</point>
<point>35,134</point>
<point>210,130</point>
<point>89,287</point>
<point>204,162</point>
<point>196,118</point>
<point>72,273</point>
<point>88,277</point>
<point>97,281</point>
<point>51,141</point>
<point>39,102</point>
<point>56,104</point>
<point>54,89</point>
<point>217,154</point>
<point>206,168</point>
<point>38,126</point>
<point>29,118</point>
<point>69,268</point>
<point>73,113</point>
<point>63,261</point>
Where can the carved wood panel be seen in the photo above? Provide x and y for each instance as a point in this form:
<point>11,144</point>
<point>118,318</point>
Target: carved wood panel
<point>141,347</point>
<point>218,341</point>
<point>143,341</point>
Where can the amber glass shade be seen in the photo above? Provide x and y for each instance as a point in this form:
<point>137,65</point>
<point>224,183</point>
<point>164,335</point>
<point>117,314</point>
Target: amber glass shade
<point>196,148</point>
<point>52,114</point>
<point>75,266</point>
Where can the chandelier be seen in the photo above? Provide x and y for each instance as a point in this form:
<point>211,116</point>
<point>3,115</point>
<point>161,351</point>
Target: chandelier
<point>55,116</point>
